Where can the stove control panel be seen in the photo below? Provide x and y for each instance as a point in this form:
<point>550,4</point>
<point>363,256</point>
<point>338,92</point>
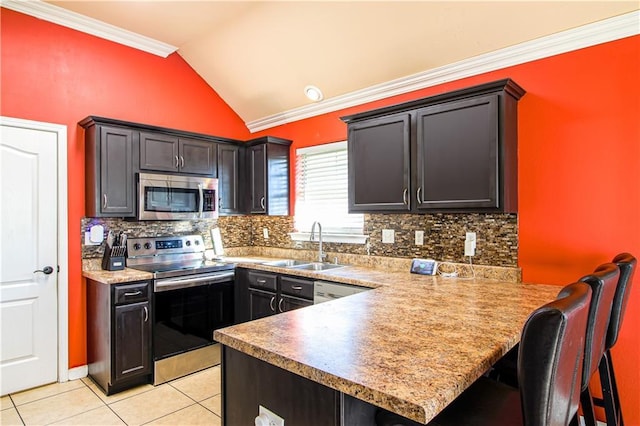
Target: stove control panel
<point>170,245</point>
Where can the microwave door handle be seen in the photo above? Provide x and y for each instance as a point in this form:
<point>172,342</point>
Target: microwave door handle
<point>201,199</point>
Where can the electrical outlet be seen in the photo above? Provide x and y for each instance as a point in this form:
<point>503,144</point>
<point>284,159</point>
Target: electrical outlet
<point>419,238</point>
<point>470,244</point>
<point>388,236</point>
<point>265,233</point>
<point>268,418</point>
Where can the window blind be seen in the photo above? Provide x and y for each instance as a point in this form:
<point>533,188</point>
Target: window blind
<point>321,190</point>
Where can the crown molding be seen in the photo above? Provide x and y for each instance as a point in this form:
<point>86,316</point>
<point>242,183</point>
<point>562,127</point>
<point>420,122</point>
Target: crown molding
<point>578,38</point>
<point>76,21</point>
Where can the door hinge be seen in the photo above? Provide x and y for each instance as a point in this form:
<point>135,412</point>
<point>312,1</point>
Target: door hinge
<point>58,268</point>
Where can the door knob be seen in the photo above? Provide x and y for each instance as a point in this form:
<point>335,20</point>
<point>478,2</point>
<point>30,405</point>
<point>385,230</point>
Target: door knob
<point>46,270</point>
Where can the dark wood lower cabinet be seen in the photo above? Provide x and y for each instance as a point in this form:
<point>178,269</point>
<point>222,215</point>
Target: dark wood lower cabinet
<point>261,303</point>
<point>119,334</point>
<point>249,383</point>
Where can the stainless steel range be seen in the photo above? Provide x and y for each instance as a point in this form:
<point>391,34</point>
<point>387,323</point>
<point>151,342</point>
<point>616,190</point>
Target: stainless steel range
<point>191,298</point>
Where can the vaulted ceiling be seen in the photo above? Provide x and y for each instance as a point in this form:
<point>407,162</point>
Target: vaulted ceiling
<point>260,55</point>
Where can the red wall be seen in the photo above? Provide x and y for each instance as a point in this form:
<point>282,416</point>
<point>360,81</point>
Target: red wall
<point>579,146</point>
<point>579,172</point>
<point>55,74</point>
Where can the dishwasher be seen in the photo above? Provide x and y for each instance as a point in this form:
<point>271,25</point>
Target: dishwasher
<point>325,291</point>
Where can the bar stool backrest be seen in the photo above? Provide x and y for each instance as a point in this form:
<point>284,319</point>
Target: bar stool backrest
<point>627,264</point>
<point>603,282</point>
<point>550,358</point>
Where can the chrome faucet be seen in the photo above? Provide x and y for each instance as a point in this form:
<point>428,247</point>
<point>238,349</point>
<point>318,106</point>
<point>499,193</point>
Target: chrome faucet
<point>321,255</point>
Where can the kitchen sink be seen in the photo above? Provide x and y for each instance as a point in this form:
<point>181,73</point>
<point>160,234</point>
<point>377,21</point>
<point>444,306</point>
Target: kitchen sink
<point>317,266</point>
<point>287,263</point>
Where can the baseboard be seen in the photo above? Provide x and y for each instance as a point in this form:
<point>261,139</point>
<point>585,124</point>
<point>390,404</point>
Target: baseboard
<point>78,372</point>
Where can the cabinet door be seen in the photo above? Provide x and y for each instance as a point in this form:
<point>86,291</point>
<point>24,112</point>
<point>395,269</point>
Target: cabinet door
<point>458,155</point>
<point>159,152</point>
<point>198,157</point>
<point>228,178</point>
<point>288,303</point>
<point>261,303</point>
<point>379,164</point>
<point>257,178</point>
<point>131,351</point>
<point>116,172</point>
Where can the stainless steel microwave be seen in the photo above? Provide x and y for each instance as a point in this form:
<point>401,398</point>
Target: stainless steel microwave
<point>176,197</point>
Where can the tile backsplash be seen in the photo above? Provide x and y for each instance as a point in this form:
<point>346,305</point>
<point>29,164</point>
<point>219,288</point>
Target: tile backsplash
<point>444,235</point>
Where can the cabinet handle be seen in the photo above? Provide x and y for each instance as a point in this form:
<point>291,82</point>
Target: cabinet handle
<point>177,161</point>
<point>133,293</point>
<point>104,201</point>
<point>146,314</point>
<point>404,196</point>
<point>280,305</point>
<point>262,202</point>
<point>261,281</point>
<point>181,161</point>
<point>418,194</point>
<point>296,287</point>
<point>220,202</point>
<point>271,302</point>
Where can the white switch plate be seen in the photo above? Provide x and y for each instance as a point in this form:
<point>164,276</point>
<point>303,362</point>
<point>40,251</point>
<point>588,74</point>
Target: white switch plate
<point>470,244</point>
<point>274,419</point>
<point>388,236</point>
<point>265,233</point>
<point>419,238</point>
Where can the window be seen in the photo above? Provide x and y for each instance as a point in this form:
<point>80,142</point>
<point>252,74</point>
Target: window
<point>321,193</point>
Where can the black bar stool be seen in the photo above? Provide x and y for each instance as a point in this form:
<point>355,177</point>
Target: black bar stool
<point>603,282</point>
<point>610,399</point>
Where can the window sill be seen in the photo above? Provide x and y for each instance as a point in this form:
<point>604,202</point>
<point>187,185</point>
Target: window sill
<point>330,238</point>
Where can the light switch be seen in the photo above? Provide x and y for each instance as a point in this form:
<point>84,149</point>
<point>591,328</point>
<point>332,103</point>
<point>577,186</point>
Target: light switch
<point>388,236</point>
<point>419,238</point>
<point>265,233</point>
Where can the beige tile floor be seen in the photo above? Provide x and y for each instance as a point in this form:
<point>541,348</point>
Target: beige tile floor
<point>190,400</point>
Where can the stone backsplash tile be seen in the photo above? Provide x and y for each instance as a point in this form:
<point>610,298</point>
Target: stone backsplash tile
<point>444,235</point>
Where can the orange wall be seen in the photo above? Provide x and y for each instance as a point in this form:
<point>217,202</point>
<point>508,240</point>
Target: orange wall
<point>579,145</point>
<point>55,74</point>
<point>579,172</point>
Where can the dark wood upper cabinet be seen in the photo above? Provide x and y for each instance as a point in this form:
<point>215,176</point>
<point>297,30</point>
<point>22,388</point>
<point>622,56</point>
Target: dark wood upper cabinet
<point>454,152</point>
<point>169,153</point>
<point>110,161</point>
<point>229,179</point>
<point>268,175</point>
<point>379,164</point>
<point>458,157</point>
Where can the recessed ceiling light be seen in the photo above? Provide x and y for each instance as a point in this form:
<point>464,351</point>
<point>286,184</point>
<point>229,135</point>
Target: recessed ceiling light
<point>313,93</point>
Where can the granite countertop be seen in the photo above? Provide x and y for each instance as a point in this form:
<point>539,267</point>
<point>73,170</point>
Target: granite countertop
<point>411,345</point>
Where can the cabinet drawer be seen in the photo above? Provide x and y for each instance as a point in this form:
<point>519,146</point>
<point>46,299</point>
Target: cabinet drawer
<point>263,280</point>
<point>296,287</point>
<point>130,293</point>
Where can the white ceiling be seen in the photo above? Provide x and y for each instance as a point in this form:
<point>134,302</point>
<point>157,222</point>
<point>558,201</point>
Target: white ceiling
<point>260,55</point>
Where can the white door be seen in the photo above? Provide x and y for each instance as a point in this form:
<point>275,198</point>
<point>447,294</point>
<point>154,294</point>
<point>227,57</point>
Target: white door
<point>28,243</point>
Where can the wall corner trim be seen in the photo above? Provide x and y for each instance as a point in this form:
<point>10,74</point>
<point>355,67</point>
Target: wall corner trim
<point>76,373</point>
<point>85,24</point>
<point>607,30</point>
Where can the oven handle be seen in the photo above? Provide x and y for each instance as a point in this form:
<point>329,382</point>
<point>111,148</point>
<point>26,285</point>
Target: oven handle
<point>192,281</point>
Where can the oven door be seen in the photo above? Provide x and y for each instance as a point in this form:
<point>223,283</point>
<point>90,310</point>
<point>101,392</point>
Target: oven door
<point>188,309</point>
<point>162,197</point>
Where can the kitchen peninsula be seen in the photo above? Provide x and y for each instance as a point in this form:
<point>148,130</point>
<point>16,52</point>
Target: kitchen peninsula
<point>410,346</point>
